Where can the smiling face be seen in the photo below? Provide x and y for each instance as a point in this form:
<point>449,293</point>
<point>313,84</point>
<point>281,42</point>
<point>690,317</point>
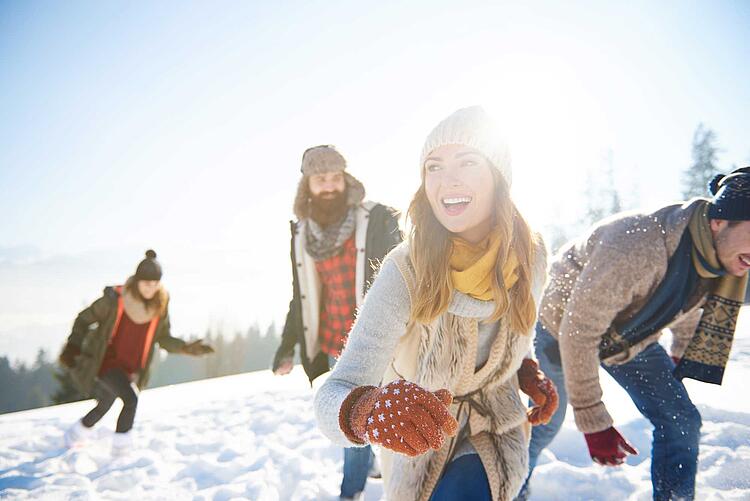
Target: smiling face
<point>460,187</point>
<point>732,243</point>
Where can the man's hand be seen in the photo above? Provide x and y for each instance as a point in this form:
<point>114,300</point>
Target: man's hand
<point>284,367</point>
<point>608,447</point>
<point>197,348</point>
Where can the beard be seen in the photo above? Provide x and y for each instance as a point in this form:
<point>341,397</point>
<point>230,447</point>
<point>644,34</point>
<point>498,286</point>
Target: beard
<point>328,207</point>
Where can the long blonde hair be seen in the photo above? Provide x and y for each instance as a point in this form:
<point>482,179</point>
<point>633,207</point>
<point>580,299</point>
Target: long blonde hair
<point>430,249</point>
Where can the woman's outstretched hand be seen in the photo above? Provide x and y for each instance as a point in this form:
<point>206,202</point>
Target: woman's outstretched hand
<point>197,348</point>
<point>401,416</point>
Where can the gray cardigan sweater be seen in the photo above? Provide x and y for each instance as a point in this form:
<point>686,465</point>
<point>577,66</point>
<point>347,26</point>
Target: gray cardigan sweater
<point>372,342</point>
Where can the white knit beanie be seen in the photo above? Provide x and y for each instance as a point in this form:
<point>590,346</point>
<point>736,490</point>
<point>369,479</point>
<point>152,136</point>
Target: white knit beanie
<point>475,128</point>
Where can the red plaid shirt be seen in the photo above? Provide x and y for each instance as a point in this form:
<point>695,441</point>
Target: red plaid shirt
<point>338,276</point>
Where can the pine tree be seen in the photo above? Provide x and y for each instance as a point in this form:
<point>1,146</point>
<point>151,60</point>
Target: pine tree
<point>602,197</point>
<point>213,361</point>
<point>705,154</point>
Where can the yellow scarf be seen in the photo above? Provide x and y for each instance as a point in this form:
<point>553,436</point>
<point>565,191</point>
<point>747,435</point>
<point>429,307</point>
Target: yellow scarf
<point>708,352</point>
<point>472,266</point>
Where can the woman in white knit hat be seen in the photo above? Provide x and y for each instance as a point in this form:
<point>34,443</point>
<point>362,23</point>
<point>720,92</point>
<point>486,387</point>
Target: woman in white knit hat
<point>434,362</point>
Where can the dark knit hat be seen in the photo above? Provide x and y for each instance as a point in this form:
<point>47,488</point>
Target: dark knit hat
<point>731,196</point>
<point>149,268</point>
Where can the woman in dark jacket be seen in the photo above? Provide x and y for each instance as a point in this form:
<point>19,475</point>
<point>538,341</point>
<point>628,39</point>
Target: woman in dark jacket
<point>111,347</point>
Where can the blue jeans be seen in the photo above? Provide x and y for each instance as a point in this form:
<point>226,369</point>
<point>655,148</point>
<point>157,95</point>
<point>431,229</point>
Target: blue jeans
<point>659,397</point>
<point>357,464</point>
<point>464,479</point>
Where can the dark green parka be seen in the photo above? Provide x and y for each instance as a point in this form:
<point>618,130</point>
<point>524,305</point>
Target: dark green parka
<point>92,331</point>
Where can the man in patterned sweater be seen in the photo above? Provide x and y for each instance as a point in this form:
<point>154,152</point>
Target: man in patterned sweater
<point>609,296</point>
<point>337,243</point>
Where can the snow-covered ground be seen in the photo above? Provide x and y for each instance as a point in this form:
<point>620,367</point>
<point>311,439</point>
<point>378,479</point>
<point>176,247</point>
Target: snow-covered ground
<point>253,436</point>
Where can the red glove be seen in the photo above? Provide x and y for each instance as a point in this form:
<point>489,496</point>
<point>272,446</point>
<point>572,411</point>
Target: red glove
<point>608,447</point>
<point>540,389</point>
<point>400,416</point>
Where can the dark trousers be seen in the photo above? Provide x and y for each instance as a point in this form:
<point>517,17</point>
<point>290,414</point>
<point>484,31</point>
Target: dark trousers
<point>114,384</point>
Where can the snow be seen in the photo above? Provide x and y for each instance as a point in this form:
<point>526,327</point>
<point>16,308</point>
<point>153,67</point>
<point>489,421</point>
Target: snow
<point>253,436</point>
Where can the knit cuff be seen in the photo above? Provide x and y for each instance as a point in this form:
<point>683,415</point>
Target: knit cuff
<point>354,411</point>
<point>593,419</point>
<point>679,346</point>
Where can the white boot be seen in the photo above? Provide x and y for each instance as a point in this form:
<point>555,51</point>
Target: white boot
<point>122,444</point>
<point>77,435</point>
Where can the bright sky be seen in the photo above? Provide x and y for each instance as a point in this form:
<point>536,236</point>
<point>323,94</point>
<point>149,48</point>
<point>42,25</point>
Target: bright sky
<point>180,126</point>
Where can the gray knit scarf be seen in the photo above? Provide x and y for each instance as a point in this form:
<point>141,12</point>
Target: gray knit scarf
<point>322,243</point>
